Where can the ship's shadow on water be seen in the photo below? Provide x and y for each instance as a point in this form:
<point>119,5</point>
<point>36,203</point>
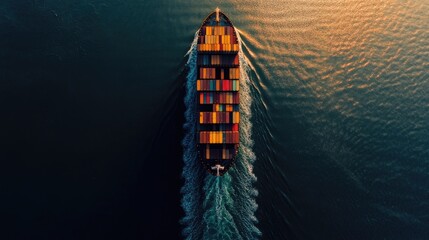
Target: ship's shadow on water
<point>218,207</point>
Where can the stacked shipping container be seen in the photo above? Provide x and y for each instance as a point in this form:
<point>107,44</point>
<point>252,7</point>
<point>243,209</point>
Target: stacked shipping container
<point>225,108</point>
<point>218,86</point>
<point>212,137</point>
<point>219,97</point>
<point>222,60</point>
<point>218,153</point>
<point>217,38</point>
<point>219,117</point>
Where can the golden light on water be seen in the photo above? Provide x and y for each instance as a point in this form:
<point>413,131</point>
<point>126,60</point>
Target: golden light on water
<point>324,47</point>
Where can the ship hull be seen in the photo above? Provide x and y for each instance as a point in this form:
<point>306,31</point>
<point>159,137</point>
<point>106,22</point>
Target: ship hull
<point>218,85</point>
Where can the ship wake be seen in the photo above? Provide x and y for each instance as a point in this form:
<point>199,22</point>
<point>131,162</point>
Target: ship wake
<point>218,207</point>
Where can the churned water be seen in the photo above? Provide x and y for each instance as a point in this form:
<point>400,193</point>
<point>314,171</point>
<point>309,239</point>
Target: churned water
<point>218,207</point>
<point>95,117</point>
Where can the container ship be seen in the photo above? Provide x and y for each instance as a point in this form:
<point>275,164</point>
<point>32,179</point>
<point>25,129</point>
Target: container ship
<point>218,85</point>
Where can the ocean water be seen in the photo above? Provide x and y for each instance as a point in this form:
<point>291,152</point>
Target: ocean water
<point>94,97</point>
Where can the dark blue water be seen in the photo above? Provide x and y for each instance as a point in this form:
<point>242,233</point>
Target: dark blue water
<point>93,101</point>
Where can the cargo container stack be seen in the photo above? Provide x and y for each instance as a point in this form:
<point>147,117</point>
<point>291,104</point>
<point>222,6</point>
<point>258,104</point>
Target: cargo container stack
<point>218,85</point>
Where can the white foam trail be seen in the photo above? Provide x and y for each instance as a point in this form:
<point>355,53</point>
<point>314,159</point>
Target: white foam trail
<point>191,189</point>
<point>219,207</point>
